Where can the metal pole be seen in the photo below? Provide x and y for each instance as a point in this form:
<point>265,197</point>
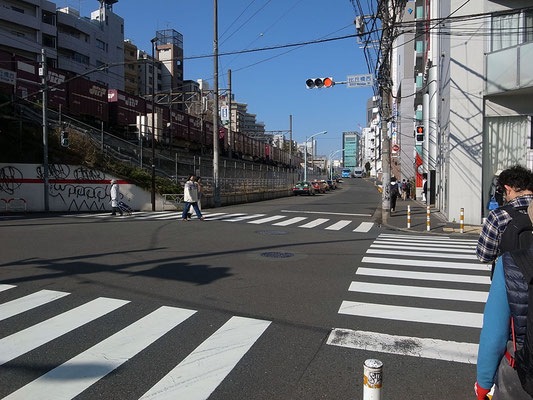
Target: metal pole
<point>102,135</point>
<point>216,189</point>
<point>44,75</point>
<point>176,168</point>
<point>373,379</point>
<point>153,123</point>
<point>462,226</point>
<point>305,160</point>
<point>428,219</point>
<point>230,145</point>
<point>408,216</point>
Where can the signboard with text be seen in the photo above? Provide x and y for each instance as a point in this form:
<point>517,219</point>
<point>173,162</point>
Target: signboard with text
<point>359,80</point>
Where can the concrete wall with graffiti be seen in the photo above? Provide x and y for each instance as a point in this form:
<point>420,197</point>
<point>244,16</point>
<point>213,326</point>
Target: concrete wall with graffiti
<point>71,188</point>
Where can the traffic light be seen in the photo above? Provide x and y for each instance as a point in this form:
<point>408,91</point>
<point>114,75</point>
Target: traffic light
<point>419,134</point>
<point>64,139</point>
<point>320,82</point>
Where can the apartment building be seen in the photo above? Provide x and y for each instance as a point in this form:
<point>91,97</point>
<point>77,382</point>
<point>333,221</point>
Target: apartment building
<point>131,74</point>
<point>169,47</point>
<point>28,26</point>
<point>72,42</point>
<point>245,122</point>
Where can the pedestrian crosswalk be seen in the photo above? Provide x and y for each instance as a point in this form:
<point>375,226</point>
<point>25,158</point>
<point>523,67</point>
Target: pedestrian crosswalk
<point>194,377</point>
<point>414,279</point>
<point>282,219</point>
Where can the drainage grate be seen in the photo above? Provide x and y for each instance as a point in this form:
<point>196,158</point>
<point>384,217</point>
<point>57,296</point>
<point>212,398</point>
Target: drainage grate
<point>276,254</point>
<point>271,232</point>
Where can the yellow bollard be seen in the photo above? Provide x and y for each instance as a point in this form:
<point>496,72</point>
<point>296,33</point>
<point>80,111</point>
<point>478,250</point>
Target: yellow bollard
<point>462,225</point>
<point>428,219</point>
<point>408,216</point>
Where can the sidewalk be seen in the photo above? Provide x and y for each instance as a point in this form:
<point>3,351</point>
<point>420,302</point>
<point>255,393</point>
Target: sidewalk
<point>439,225</point>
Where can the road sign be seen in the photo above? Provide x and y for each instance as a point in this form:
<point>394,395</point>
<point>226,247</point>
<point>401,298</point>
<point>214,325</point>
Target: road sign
<point>359,80</point>
<point>224,115</point>
<point>395,148</point>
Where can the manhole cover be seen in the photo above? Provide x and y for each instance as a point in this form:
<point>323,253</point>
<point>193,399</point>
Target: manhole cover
<point>271,232</point>
<point>276,254</point>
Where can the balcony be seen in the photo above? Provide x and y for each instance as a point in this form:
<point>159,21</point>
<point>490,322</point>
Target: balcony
<point>509,69</point>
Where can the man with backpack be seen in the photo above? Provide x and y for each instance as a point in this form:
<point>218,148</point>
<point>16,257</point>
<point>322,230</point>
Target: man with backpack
<point>502,231</point>
<point>505,356</point>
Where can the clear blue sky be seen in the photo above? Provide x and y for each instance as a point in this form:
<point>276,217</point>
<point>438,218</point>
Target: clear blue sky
<point>275,88</point>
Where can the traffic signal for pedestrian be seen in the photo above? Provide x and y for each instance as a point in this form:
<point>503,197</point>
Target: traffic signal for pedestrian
<point>419,133</point>
<point>64,139</point>
<point>320,82</point>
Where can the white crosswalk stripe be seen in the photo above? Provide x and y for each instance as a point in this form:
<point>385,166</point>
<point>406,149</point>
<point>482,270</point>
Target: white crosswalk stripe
<point>290,221</point>
<point>364,227</point>
<point>244,218</point>
<point>196,376</point>
<point>266,219</point>
<point>316,222</point>
<point>103,357</point>
<point>398,266</point>
<point>30,338</point>
<point>337,226</point>
<point>201,372</point>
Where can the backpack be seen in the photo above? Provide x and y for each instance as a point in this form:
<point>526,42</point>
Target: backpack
<point>518,233</point>
<point>394,190</point>
<point>523,358</point>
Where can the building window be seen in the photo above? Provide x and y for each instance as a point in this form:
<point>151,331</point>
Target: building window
<point>20,10</point>
<point>122,28</point>
<point>48,18</point>
<point>420,12</point>
<point>49,41</point>
<point>528,26</point>
<point>100,44</point>
<point>504,32</point>
<point>19,34</point>
<point>419,46</point>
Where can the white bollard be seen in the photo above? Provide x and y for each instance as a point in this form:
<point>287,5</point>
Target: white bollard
<point>408,216</point>
<point>462,225</point>
<point>373,379</point>
<point>428,219</point>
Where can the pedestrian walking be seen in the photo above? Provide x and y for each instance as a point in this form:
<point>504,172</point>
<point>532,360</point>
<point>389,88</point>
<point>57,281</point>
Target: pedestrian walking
<point>505,336</point>
<point>198,181</point>
<point>516,184</point>
<point>394,192</point>
<point>190,197</point>
<point>405,189</point>
<point>115,193</point>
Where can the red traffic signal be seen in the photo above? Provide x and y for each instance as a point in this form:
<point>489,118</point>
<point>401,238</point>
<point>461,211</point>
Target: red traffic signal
<point>419,133</point>
<point>320,82</point>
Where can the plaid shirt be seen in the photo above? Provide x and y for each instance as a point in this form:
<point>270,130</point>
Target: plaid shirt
<point>489,240</point>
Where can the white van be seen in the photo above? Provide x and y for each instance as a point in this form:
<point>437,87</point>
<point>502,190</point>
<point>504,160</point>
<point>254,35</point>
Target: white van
<point>358,172</point>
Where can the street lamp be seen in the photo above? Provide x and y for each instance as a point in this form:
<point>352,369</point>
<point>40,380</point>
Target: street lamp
<point>154,40</point>
<point>305,151</point>
<point>331,160</point>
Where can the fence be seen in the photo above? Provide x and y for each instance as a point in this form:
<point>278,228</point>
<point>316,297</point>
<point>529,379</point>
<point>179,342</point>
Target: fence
<point>235,176</point>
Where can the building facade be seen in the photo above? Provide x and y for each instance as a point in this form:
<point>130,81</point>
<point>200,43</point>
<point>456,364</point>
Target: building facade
<point>473,85</point>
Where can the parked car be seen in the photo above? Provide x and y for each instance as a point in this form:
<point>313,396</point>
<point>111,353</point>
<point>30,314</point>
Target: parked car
<point>319,186</point>
<point>332,184</point>
<point>303,187</point>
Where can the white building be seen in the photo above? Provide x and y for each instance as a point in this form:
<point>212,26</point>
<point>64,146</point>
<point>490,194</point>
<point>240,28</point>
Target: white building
<point>473,98</point>
<point>87,43</point>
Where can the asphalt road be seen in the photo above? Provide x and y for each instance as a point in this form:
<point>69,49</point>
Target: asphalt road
<point>260,301</point>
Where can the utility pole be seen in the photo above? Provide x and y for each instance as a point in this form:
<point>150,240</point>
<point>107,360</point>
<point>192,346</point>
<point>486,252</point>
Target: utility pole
<point>290,147</point>
<point>230,145</point>
<point>216,187</point>
<point>384,81</point>
<point>154,40</point>
<point>44,74</point>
